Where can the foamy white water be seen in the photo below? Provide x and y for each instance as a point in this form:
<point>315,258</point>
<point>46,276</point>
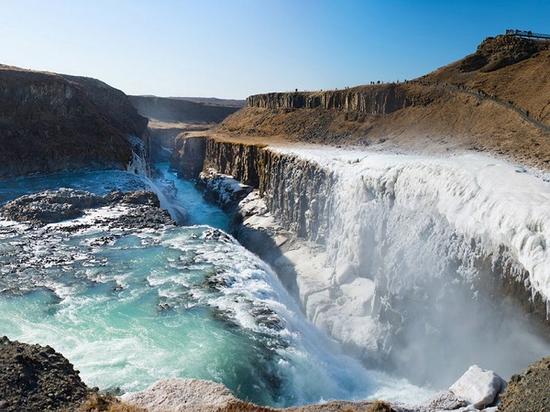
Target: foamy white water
<point>416,244</point>
<point>129,308</point>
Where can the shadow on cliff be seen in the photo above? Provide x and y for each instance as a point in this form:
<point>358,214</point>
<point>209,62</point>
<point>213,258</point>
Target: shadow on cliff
<point>264,245</point>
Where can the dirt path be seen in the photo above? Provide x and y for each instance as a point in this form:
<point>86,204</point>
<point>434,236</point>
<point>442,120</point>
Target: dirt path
<point>480,95</point>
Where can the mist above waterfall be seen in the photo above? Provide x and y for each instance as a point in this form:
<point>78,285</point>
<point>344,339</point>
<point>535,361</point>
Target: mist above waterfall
<point>420,249</point>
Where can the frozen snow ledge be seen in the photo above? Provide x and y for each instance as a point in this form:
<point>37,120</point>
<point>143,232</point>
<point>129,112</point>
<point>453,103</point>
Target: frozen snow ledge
<point>408,261</point>
<point>485,199</point>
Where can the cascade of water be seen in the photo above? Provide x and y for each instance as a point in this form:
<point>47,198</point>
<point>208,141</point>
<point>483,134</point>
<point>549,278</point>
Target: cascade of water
<point>138,164</point>
<point>418,246</point>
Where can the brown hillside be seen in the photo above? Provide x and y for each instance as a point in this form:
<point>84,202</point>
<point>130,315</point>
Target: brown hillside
<point>497,100</point>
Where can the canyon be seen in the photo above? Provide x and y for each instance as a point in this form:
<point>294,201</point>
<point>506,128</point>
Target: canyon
<point>329,220</point>
<point>373,242</point>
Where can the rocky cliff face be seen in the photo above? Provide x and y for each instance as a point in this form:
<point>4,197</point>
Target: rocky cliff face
<point>375,100</point>
<point>51,122</point>
<point>494,100</point>
<point>293,189</point>
<point>188,156</point>
<point>179,110</point>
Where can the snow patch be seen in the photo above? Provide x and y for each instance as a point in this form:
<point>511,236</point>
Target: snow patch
<point>478,387</point>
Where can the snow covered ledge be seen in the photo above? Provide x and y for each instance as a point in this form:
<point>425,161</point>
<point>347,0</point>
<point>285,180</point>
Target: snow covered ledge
<point>395,247</point>
<point>483,198</point>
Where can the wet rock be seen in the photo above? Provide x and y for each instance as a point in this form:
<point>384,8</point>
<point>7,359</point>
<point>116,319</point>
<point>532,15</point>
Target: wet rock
<point>478,387</point>
<point>217,235</point>
<point>52,206</point>
<point>223,189</point>
<point>37,378</point>
<point>139,197</point>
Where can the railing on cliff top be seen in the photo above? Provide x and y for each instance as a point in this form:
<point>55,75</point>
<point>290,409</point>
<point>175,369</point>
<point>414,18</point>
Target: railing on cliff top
<point>528,34</point>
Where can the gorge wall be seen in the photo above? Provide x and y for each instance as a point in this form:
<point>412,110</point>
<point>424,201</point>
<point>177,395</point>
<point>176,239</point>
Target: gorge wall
<point>51,122</point>
<point>180,110</point>
<point>370,248</point>
<point>375,100</point>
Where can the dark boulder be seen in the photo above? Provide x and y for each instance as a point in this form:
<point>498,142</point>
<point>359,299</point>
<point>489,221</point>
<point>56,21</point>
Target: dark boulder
<point>53,206</point>
<point>37,378</point>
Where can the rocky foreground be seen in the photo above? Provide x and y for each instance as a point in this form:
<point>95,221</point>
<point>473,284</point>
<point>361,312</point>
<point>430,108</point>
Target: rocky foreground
<point>37,378</point>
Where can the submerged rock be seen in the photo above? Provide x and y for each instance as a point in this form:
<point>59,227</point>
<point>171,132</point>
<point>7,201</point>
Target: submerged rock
<point>37,378</point>
<point>478,387</point>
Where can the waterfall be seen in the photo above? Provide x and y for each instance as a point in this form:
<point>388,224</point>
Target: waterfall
<point>419,249</point>
<point>138,164</point>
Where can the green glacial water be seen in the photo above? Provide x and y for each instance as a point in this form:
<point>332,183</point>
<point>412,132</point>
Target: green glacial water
<point>130,307</point>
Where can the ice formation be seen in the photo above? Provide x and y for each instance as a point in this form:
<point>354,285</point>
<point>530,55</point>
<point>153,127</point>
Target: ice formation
<point>415,250</point>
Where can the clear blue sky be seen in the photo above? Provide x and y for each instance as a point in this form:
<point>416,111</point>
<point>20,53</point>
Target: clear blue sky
<point>233,48</point>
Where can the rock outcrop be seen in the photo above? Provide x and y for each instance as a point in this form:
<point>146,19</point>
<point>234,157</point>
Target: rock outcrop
<point>52,206</point>
<point>375,100</point>
<point>37,378</point>
<point>528,391</point>
<point>51,122</point>
<point>497,52</point>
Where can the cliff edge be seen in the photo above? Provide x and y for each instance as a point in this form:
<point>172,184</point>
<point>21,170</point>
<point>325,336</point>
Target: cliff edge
<point>494,100</point>
<point>51,122</point>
